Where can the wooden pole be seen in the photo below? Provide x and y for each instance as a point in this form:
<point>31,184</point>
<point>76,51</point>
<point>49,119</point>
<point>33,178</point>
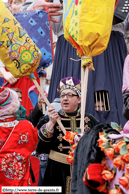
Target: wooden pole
<point>48,104</point>
<point>43,104</point>
<point>82,87</point>
<point>83,96</point>
<point>85,66</point>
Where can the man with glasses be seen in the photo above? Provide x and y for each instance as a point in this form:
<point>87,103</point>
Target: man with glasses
<point>51,137</point>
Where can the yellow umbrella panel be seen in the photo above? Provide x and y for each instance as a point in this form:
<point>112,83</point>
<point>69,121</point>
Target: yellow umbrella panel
<point>16,47</point>
<point>87,26</point>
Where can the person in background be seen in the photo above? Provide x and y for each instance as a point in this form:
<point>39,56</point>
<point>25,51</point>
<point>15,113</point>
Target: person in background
<point>53,8</point>
<point>99,106</point>
<point>15,5</point>
<point>36,113</point>
<point>21,113</point>
<point>18,140</point>
<point>33,95</point>
<point>56,104</point>
<point>47,83</point>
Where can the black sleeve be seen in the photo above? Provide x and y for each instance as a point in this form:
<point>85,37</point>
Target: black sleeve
<point>42,121</point>
<point>42,147</point>
<point>35,115</point>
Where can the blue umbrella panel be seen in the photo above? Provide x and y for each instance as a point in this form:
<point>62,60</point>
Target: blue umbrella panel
<point>37,24</point>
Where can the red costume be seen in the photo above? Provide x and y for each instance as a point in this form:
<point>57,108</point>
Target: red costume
<point>18,140</point>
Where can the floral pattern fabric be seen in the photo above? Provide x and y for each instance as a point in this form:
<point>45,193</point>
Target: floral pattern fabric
<point>15,150</point>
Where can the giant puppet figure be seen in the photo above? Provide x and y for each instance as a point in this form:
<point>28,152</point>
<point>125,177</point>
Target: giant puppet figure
<point>108,70</point>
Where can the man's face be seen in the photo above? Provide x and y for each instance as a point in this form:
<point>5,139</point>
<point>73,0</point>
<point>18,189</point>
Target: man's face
<point>70,104</point>
<point>16,6</point>
<point>19,97</point>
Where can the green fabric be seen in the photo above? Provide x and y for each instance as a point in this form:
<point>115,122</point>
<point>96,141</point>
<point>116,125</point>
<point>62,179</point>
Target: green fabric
<point>21,113</point>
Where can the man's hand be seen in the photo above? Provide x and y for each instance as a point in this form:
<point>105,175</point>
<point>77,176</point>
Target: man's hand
<point>8,76</point>
<point>53,116</point>
<point>53,8</point>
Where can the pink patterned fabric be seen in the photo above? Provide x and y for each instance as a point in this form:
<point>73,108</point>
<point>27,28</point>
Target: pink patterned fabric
<point>126,128</point>
<point>126,74</point>
<point>11,106</point>
<point>33,88</point>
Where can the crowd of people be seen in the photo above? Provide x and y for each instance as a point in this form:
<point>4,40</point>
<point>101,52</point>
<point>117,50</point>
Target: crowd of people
<point>37,133</point>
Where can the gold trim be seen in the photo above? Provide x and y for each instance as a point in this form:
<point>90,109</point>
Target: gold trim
<point>67,128</point>
<point>78,119</point>
<point>86,119</point>
<point>60,137</point>
<point>78,87</point>
<point>61,84</point>
<point>42,139</point>
<point>86,127</point>
<point>59,157</point>
<point>68,185</point>
<point>73,123</point>
<point>60,147</point>
<point>49,132</point>
<point>65,119</point>
<point>69,82</point>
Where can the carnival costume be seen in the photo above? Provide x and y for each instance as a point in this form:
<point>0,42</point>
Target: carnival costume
<point>58,172</point>
<point>17,140</point>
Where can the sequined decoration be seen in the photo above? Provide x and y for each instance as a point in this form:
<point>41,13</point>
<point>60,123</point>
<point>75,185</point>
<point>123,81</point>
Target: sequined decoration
<point>13,165</point>
<point>23,138</point>
<point>45,132</point>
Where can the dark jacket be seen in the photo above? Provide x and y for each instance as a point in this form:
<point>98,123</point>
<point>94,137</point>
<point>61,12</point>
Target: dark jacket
<point>35,115</point>
<point>86,153</point>
<point>58,173</point>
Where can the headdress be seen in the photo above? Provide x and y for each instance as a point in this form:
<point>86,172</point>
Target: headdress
<point>70,83</point>
<point>9,102</point>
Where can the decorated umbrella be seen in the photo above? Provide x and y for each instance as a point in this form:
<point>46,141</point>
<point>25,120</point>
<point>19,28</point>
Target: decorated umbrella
<point>18,52</point>
<point>87,26</point>
<point>36,22</point>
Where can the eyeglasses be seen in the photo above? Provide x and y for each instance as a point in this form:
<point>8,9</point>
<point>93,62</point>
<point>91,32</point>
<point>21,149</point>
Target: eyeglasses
<point>68,95</point>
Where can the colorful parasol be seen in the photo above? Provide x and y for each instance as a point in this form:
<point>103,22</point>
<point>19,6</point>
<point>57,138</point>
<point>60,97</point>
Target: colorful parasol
<point>36,22</point>
<point>16,49</point>
<point>14,52</point>
<point>87,26</point>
